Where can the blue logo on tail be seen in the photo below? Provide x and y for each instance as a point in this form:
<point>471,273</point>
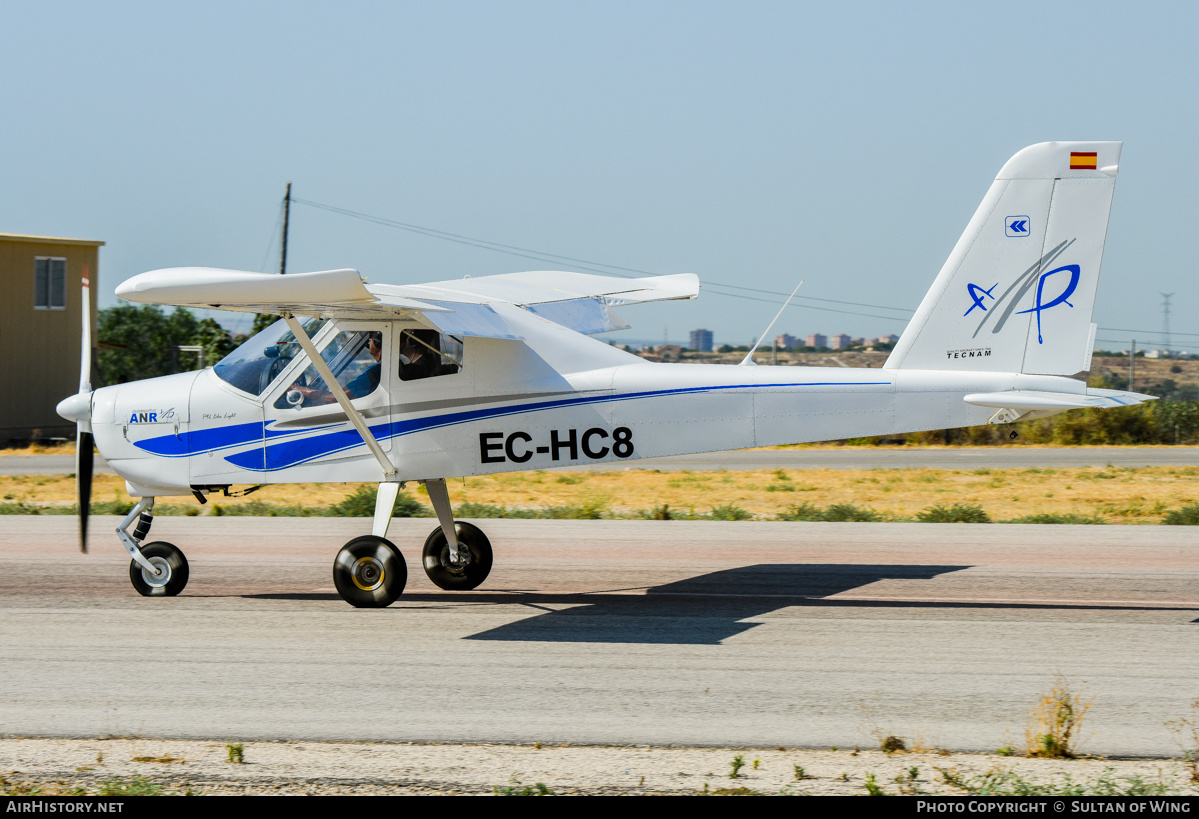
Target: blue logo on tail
<point>1038,306</point>
<point>1008,300</point>
<point>977,293</point>
<point>1016,226</point>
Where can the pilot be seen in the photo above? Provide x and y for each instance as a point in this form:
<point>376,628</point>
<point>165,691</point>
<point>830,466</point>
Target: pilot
<point>417,356</point>
<point>364,384</point>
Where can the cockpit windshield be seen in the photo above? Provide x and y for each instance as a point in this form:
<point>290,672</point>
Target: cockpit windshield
<point>256,363</point>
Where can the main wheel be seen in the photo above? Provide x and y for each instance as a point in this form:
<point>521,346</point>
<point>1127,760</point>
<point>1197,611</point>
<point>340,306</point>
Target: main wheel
<point>369,572</point>
<point>458,576</point>
<point>172,568</point>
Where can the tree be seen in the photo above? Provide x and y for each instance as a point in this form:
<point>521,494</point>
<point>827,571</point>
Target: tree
<point>141,342</point>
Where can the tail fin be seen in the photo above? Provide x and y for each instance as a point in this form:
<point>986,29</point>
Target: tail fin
<point>1018,290</point>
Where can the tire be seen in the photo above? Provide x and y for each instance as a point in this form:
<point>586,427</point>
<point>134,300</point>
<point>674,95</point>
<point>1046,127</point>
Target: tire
<point>436,558</point>
<point>369,572</point>
<point>167,557</point>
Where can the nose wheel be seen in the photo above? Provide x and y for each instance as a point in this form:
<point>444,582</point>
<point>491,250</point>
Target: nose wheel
<point>369,572</point>
<point>458,575</point>
<point>170,575</point>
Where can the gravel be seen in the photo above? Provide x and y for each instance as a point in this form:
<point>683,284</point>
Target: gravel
<point>296,768</point>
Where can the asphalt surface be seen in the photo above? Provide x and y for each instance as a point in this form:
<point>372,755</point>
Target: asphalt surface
<point>1014,457</point>
<point>609,632</point>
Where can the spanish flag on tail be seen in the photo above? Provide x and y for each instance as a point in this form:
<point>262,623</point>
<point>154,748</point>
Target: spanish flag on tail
<point>1083,160</point>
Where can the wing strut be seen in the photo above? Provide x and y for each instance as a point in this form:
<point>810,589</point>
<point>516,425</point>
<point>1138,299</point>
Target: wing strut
<point>338,392</point>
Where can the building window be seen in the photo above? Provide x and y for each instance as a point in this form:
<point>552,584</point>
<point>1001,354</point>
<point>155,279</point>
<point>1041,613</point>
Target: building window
<point>50,284</point>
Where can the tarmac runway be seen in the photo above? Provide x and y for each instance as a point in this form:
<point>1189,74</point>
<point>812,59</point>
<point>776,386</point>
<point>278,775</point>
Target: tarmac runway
<point>609,632</point>
<point>1013,457</point>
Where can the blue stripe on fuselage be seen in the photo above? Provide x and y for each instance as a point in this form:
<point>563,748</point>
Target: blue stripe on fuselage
<point>295,452</point>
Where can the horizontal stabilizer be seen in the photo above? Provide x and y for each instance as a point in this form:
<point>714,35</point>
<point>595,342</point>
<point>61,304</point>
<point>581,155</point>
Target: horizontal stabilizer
<point>1031,400</point>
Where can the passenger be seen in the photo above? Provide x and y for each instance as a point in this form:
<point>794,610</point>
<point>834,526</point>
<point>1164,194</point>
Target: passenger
<point>418,356</point>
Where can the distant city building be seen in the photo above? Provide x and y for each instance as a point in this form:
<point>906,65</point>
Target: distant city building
<point>838,342</point>
<point>786,341</point>
<point>701,341</point>
<point>816,340</point>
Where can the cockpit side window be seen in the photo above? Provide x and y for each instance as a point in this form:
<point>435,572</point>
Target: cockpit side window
<point>259,361</point>
<point>354,358</point>
<point>427,354</point>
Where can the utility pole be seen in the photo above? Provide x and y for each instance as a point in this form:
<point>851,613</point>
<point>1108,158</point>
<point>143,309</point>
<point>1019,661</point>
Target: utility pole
<point>286,214</point>
<point>1166,322</point>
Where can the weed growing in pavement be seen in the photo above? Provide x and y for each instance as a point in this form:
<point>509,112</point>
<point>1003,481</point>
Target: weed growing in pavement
<point>138,786</point>
<point>800,773</point>
<point>737,764</point>
<point>1001,782</point>
<point>1054,725</point>
<point>515,788</point>
<point>237,753</point>
<point>907,782</point>
<point>872,787</point>
<point>1186,733</point>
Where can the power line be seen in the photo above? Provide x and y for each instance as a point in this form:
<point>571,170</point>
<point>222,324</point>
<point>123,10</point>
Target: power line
<point>605,269</point>
<point>601,268</point>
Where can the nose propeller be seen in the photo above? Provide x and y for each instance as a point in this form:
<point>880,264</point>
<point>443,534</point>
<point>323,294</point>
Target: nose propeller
<point>78,408</point>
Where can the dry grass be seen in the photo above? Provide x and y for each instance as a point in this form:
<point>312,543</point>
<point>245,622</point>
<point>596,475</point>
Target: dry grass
<point>1055,725</point>
<point>1116,495</point>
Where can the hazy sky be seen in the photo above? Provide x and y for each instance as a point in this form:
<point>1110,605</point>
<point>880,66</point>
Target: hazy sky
<point>753,144</point>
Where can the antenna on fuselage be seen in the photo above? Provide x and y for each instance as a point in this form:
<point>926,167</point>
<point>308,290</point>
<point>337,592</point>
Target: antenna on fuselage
<point>748,361</point>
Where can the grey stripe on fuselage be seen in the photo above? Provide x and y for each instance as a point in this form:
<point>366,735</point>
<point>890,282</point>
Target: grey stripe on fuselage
<point>426,406</point>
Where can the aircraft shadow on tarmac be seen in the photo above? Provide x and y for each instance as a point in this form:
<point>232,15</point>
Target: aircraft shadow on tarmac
<point>701,610</point>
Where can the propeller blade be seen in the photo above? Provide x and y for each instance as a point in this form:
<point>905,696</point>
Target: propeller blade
<point>85,339</point>
<point>84,445</point>
<point>84,465</point>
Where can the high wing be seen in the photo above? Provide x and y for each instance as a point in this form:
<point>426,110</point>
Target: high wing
<point>579,301</point>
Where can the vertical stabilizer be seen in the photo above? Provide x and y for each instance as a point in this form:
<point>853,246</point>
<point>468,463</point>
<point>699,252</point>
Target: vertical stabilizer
<point>1018,291</point>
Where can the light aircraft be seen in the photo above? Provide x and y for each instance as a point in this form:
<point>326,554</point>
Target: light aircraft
<point>396,383</point>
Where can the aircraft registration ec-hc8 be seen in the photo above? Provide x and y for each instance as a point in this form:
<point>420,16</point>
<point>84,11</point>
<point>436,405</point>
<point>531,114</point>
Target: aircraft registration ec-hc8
<point>396,383</point>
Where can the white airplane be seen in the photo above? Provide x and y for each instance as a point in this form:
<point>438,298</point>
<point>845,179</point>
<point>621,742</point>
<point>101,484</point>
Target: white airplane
<point>398,383</point>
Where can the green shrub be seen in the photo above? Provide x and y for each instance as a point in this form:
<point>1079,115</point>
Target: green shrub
<point>847,512</point>
<point>1046,517</point>
<point>1186,516</point>
<point>958,513</point>
<point>837,513</point>
<point>801,511</point>
<point>361,504</point>
<point>730,511</point>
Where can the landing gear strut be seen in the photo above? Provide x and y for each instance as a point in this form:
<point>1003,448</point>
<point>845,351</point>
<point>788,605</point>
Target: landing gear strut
<point>157,569</point>
<point>369,571</point>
